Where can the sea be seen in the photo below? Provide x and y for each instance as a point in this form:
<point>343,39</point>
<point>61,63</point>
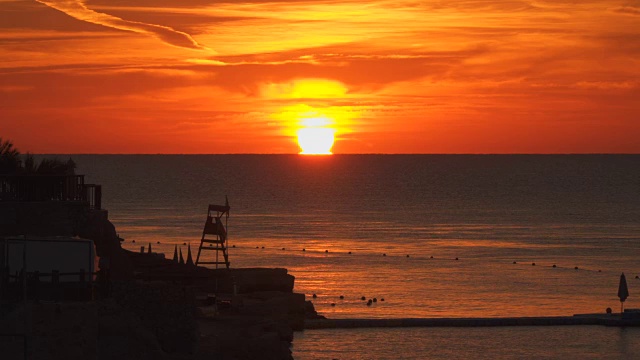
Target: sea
<point>423,235</point>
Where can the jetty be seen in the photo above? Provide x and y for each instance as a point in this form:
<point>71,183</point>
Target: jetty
<point>627,319</point>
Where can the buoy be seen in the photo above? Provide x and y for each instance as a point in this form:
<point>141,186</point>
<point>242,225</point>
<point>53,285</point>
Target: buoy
<point>554,265</point>
<point>349,252</point>
<point>184,243</point>
<point>576,268</point>
<point>304,249</point>
<point>282,248</point>
<point>315,296</point>
<point>363,298</point>
<point>384,254</point>
<point>533,264</point>
<point>263,247</point>
<point>133,241</point>
<point>382,299</point>
<point>257,247</point>
<point>158,242</point>
<point>233,246</point>
<point>637,277</point>
<point>375,299</point>
<point>431,257</point>
<point>456,258</point>
<point>407,255</point>
<point>369,302</point>
<point>341,297</point>
<point>326,251</point>
<point>333,304</point>
<point>515,262</point>
<point>599,270</point>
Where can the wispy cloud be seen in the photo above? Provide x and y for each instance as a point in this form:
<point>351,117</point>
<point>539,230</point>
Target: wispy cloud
<point>630,8</point>
<point>77,9</point>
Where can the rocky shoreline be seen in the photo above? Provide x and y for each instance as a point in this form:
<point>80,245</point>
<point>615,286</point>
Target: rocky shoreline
<point>172,317</point>
<point>154,308</point>
<point>257,321</point>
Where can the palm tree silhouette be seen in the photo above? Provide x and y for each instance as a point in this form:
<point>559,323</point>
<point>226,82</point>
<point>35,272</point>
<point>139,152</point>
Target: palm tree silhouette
<point>9,157</point>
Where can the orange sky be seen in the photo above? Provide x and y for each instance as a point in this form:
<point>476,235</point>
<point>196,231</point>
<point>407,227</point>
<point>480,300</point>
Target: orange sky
<point>204,76</point>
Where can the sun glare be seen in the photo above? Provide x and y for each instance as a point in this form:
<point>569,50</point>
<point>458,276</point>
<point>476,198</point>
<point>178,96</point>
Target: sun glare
<point>316,140</point>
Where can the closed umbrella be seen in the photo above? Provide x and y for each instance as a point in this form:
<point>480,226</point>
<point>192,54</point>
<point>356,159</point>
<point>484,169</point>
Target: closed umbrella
<point>623,291</point>
<point>189,258</point>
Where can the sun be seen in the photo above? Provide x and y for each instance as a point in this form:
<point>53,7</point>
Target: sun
<point>316,140</point>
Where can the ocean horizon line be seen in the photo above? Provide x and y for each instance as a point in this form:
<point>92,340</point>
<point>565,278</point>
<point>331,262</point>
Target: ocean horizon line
<point>343,154</point>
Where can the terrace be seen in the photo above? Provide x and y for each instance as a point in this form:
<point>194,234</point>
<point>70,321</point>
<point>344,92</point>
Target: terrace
<point>47,188</point>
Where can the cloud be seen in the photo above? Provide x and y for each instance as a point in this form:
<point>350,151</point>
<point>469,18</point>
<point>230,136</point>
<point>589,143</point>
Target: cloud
<point>629,9</point>
<point>78,10</point>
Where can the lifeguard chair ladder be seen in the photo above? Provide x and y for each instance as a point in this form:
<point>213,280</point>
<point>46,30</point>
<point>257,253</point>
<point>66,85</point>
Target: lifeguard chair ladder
<point>217,233</point>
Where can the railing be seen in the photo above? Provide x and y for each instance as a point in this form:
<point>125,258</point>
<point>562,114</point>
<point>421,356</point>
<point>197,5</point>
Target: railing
<point>34,187</point>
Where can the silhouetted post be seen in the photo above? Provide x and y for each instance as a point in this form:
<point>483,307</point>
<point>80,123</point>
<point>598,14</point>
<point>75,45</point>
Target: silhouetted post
<point>81,286</point>
<point>36,285</point>
<point>55,284</point>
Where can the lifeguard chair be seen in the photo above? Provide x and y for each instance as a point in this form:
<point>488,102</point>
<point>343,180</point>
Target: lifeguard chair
<point>215,233</point>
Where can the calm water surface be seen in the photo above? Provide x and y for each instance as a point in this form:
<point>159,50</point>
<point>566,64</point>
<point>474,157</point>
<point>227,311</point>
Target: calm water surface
<point>422,212</point>
<point>565,342</point>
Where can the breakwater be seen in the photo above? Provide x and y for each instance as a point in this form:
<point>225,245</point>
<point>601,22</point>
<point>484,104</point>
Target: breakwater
<point>583,319</point>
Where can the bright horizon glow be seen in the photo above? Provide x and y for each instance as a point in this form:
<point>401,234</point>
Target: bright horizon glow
<point>316,140</point>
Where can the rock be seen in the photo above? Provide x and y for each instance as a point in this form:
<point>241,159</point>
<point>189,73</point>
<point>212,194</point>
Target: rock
<point>310,312</point>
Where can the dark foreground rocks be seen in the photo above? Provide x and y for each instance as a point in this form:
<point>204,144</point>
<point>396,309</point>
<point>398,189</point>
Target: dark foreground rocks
<point>154,308</point>
<point>240,313</point>
<point>145,319</point>
<point>87,330</point>
<point>166,311</point>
